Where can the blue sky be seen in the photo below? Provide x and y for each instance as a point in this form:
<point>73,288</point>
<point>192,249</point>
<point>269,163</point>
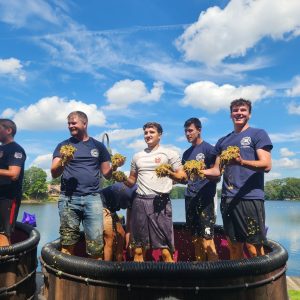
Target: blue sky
<point>129,62</point>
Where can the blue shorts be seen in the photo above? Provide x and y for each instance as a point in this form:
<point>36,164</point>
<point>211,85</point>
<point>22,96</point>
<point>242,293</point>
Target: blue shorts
<point>86,209</point>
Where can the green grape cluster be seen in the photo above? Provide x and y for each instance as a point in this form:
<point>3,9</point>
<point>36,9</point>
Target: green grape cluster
<point>227,155</point>
<point>163,170</point>
<point>119,176</point>
<point>193,169</point>
<point>118,160</point>
<point>67,153</point>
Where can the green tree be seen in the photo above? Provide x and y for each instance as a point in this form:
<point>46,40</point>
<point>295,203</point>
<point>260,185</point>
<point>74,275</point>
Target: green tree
<point>55,181</point>
<point>35,183</point>
<point>177,192</point>
<point>286,188</point>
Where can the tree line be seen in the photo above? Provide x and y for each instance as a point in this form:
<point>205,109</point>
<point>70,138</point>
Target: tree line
<point>35,187</point>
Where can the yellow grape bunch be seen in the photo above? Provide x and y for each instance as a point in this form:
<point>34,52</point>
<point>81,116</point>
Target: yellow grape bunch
<point>67,153</point>
<point>163,170</point>
<point>232,152</point>
<point>119,176</point>
<point>193,168</point>
<point>118,160</point>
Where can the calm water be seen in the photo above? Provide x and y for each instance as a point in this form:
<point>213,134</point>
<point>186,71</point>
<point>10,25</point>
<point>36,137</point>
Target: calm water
<point>283,220</point>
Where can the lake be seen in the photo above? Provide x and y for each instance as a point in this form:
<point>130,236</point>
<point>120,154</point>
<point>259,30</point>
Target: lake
<point>282,218</point>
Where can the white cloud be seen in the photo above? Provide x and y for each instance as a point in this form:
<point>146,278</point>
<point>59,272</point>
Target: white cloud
<point>286,163</point>
<point>51,113</point>
<point>19,14</point>
<point>285,152</point>
<point>137,145</point>
<point>285,137</point>
<point>126,92</point>
<point>42,161</point>
<point>293,109</point>
<point>12,67</point>
<point>272,175</point>
<point>121,134</point>
<point>230,32</point>
<point>173,147</point>
<point>295,90</point>
<point>210,97</point>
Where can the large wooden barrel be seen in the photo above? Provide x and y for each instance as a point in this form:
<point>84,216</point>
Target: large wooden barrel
<point>259,278</point>
<point>18,264</point>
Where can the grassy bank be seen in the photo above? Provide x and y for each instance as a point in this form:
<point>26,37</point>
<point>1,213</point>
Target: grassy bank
<point>294,295</point>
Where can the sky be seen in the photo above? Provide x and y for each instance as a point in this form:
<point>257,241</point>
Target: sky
<point>125,63</point>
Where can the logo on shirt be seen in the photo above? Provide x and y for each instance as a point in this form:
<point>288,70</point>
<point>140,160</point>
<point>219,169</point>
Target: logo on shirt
<point>18,155</point>
<point>157,160</point>
<point>200,157</point>
<point>246,141</point>
<point>1,154</point>
<point>95,152</point>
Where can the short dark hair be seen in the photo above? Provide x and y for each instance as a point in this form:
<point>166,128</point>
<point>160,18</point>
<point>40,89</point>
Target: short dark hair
<point>194,121</point>
<point>7,123</point>
<point>241,102</point>
<point>155,125</point>
<point>80,114</point>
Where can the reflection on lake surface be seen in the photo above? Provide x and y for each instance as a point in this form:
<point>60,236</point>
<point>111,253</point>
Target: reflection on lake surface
<point>282,218</point>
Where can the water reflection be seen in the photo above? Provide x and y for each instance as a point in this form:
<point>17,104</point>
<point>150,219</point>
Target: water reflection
<point>283,220</point>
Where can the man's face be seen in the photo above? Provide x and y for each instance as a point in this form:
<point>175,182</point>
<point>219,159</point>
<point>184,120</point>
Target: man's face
<point>76,126</point>
<point>4,133</point>
<point>240,115</point>
<point>151,136</point>
<point>192,133</point>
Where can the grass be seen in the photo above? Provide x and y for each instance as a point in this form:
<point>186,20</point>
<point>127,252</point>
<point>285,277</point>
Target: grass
<point>294,295</point>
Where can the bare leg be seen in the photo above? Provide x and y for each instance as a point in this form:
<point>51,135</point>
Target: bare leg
<point>69,250</point>
<point>120,242</point>
<point>236,250</point>
<point>255,250</point>
<point>211,251</point>
<point>166,255</point>
<point>108,235</point>
<point>200,254</point>
<point>4,240</point>
<point>138,254</point>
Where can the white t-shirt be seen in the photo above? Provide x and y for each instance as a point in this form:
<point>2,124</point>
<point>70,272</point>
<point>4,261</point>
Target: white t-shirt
<point>144,164</point>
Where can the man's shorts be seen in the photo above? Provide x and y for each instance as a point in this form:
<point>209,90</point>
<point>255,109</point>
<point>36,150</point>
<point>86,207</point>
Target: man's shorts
<point>8,214</point>
<point>200,216</point>
<point>86,209</point>
<point>244,220</point>
<point>151,222</point>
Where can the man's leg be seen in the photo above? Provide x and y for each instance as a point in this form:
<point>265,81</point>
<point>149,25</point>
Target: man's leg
<point>93,225</point>
<point>120,239</point>
<point>108,235</point>
<point>69,224</point>
<point>139,254</point>
<point>4,241</point>
<point>235,249</point>
<point>211,251</point>
<point>166,255</point>
<point>200,254</point>
<point>255,250</point>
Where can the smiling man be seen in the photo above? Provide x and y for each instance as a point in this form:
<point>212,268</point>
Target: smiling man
<point>151,215</point>
<point>242,203</point>
<point>80,199</point>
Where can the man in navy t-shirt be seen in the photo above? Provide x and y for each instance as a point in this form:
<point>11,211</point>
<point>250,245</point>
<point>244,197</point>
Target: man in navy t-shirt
<point>242,203</point>
<point>80,198</point>
<point>199,194</point>
<point>12,159</point>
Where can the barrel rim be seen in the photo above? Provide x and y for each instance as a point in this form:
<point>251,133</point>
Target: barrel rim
<point>23,246</point>
<point>185,271</point>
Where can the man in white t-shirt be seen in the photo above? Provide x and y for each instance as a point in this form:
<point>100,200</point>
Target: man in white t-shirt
<point>151,214</point>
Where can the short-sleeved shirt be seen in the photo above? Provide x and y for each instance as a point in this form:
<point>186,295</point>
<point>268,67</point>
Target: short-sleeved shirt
<point>144,164</point>
<point>118,196</point>
<point>81,176</point>
<point>203,152</point>
<point>239,181</point>
<point>11,154</point>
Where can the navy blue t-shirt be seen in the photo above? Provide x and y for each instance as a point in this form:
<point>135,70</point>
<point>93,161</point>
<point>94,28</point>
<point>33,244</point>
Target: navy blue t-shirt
<point>202,152</point>
<point>12,154</point>
<point>81,176</point>
<point>118,196</point>
<point>239,181</point>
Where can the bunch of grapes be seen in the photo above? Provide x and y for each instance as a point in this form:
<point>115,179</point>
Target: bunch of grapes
<point>232,152</point>
<point>118,160</point>
<point>163,170</point>
<point>193,169</point>
<point>67,153</point>
<point>119,176</point>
